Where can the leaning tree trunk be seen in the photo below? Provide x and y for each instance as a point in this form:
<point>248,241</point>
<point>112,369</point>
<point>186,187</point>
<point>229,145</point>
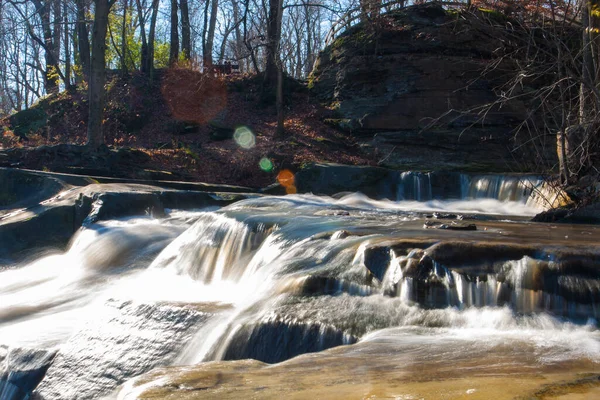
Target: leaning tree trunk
<point>95,136</point>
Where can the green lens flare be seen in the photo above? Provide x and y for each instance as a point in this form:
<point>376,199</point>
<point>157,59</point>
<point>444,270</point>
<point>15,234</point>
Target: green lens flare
<point>266,164</point>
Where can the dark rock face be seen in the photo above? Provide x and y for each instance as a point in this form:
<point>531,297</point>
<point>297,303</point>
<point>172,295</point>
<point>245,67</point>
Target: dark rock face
<point>423,70</point>
<point>23,188</point>
<point>275,341</point>
<point>45,210</point>
<point>329,179</point>
<point>589,214</point>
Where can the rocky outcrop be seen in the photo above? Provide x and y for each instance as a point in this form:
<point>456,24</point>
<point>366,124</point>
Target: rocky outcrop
<point>45,210</point>
<point>330,179</point>
<point>415,81</point>
<point>75,159</point>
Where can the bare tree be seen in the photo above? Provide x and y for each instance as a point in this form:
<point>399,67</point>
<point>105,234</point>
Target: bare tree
<point>186,42</point>
<point>174,48</point>
<point>210,33</point>
<point>83,41</point>
<point>95,136</point>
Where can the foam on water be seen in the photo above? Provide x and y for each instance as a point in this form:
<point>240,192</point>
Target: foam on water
<point>360,202</point>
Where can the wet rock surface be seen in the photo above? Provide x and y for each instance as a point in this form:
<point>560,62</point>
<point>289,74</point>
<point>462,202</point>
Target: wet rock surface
<point>379,368</point>
<point>45,210</point>
<point>102,353</point>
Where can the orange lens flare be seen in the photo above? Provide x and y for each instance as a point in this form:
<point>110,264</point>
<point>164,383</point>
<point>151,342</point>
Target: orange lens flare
<point>286,179</point>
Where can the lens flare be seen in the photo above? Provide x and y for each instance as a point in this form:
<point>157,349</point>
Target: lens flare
<point>244,137</point>
<point>265,164</point>
<point>287,180</point>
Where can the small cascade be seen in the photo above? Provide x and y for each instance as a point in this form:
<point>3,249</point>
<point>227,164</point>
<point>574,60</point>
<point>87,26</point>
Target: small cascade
<point>526,285</point>
<point>414,185</point>
<point>500,187</point>
<point>275,339</point>
<point>214,248</point>
<point>426,186</point>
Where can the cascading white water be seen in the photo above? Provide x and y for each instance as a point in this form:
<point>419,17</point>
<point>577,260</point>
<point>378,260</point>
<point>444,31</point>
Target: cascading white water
<point>513,285</point>
<point>268,278</point>
<point>426,186</point>
<point>414,186</point>
<point>501,187</point>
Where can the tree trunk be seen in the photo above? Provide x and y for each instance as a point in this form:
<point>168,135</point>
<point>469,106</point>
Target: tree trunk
<point>50,81</point>
<point>186,42</point>
<point>174,51</point>
<point>95,136</point>
<point>151,37</point>
<point>273,39</point>
<point>144,63</point>
<point>279,101</point>
<point>57,31</point>
<point>83,41</point>
<point>309,50</point>
<point>210,37</point>
<point>279,64</point>
<point>124,38</point>
<point>238,35</point>
<point>204,31</point>
<point>224,44</point>
<point>67,44</point>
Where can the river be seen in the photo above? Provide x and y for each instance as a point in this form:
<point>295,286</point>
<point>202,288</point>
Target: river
<point>312,296</point>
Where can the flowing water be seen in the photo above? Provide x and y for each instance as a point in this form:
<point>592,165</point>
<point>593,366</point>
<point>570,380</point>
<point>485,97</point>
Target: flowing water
<point>373,299</point>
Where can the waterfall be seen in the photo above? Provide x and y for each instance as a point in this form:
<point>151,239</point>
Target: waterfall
<point>525,285</point>
<point>272,278</point>
<point>501,187</point>
<point>414,186</point>
<point>213,249</point>
<point>425,186</point>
